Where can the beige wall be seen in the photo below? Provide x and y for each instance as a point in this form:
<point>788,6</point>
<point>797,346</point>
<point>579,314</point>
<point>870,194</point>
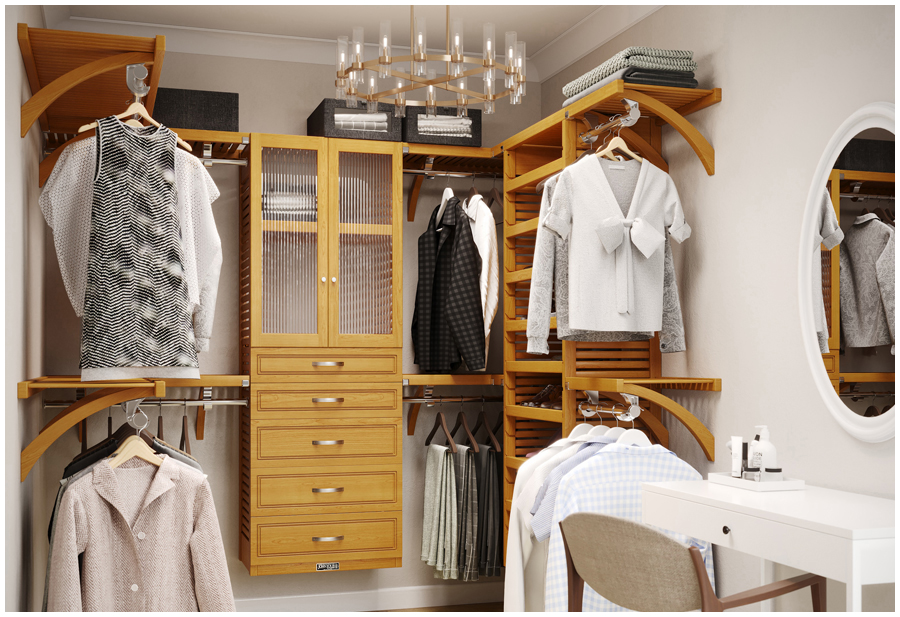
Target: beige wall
<point>789,77</point>
<point>277,97</point>
<point>23,254</point>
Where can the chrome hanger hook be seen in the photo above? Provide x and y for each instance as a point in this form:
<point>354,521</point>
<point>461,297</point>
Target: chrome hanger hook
<point>144,425</point>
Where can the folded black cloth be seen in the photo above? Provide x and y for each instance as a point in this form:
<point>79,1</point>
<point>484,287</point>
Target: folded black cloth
<point>655,81</point>
<point>645,73</point>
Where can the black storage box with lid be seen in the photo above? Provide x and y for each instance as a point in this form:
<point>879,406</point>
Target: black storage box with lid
<point>320,123</point>
<point>411,128</point>
<point>867,155</point>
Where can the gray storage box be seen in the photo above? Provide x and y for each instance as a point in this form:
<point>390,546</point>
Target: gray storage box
<point>867,155</point>
<point>411,129</point>
<point>320,123</point>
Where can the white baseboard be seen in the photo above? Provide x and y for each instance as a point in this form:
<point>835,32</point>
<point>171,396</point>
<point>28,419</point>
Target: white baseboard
<point>380,599</point>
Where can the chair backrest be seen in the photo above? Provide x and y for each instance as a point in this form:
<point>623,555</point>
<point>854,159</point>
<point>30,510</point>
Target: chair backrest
<point>630,564</point>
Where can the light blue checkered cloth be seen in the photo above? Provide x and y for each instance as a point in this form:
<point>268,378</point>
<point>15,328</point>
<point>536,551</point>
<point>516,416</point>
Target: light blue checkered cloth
<point>545,502</point>
<point>610,483</point>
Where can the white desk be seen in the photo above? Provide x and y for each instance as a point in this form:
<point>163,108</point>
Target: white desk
<point>842,536</point>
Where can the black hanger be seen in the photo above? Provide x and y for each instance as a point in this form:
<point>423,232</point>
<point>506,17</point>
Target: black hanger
<point>498,426</point>
<point>462,422</point>
<point>441,421</point>
<point>159,424</point>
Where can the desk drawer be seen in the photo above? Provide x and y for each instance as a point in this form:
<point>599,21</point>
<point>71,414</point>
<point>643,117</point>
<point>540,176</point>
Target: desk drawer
<point>326,538</point>
<point>318,490</point>
<point>333,401</point>
<point>275,365</point>
<point>281,443</point>
<point>801,548</point>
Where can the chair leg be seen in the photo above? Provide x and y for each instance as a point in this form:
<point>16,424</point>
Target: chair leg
<point>818,596</point>
<point>576,583</point>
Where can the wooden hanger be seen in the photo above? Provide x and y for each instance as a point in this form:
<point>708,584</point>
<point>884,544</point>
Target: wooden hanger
<point>185,444</point>
<point>136,108</point>
<point>617,143</point>
<point>482,422</point>
<point>462,422</point>
<point>473,191</point>
<point>134,447</point>
<point>441,421</point>
<point>884,216</point>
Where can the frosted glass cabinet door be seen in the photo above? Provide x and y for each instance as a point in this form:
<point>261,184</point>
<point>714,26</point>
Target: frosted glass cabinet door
<point>365,248</point>
<point>289,289</point>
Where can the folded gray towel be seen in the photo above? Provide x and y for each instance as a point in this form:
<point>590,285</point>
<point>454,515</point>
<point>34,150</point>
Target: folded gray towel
<point>637,57</point>
<point>658,81</point>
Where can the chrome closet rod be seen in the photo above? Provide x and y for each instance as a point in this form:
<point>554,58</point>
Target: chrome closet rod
<point>455,399</point>
<point>866,196</point>
<point>238,162</point>
<point>240,402</point>
<point>452,174</point>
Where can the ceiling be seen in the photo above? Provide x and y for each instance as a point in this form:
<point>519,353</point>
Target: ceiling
<point>537,25</point>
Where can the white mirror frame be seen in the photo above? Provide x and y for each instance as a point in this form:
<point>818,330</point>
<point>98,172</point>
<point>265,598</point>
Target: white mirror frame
<point>879,428</point>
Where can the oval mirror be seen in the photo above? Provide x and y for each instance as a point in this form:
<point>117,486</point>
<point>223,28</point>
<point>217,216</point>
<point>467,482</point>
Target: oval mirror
<point>847,274</point>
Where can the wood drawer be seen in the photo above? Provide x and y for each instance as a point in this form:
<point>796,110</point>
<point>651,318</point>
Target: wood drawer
<point>790,545</point>
<point>289,443</point>
<point>334,401</point>
<point>831,362</point>
<point>318,490</point>
<point>292,539</point>
<point>275,365</point>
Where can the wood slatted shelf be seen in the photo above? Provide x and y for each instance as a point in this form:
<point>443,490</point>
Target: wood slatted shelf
<point>534,413</point>
<point>31,387</point>
<point>520,229</point>
<point>618,385</point>
<point>518,275</point>
<point>476,379</point>
<point>534,366</point>
<point>534,176</point>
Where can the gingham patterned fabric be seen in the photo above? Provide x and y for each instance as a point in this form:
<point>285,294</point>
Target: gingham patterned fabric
<point>610,483</point>
<point>448,321</point>
<point>637,57</point>
<point>545,502</point>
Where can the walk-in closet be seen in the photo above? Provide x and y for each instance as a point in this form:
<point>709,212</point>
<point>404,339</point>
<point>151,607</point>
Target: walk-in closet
<point>450,308</point>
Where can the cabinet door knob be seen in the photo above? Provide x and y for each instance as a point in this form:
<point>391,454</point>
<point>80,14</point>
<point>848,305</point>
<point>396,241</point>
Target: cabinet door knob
<point>327,539</point>
<point>334,279</point>
<point>323,279</point>
<point>726,530</point>
<point>335,442</point>
<point>328,400</point>
<point>339,489</point>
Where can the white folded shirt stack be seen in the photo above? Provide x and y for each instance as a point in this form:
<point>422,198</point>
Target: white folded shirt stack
<point>444,125</point>
<point>361,122</point>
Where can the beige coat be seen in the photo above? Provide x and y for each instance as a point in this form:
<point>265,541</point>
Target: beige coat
<point>150,539</point>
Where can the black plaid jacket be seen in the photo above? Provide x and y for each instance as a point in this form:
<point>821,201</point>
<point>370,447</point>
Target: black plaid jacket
<point>448,320</point>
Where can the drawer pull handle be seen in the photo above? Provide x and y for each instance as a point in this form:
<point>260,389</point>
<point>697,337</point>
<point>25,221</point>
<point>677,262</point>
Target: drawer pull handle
<point>328,400</point>
<point>726,530</point>
<point>335,442</point>
<point>328,539</point>
<point>339,489</point>
<point>328,364</point>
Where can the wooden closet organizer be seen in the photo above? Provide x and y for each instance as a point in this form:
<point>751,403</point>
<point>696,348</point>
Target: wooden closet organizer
<point>840,181</point>
<point>611,368</point>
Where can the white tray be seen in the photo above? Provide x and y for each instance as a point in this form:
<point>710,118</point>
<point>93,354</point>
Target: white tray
<point>788,484</point>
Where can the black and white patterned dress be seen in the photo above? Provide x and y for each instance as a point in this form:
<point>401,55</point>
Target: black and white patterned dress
<point>137,318</point>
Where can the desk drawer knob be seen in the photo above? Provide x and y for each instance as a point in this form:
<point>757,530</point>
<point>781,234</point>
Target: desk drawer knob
<point>726,530</point>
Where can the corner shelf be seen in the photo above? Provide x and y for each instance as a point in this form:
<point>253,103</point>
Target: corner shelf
<point>425,382</point>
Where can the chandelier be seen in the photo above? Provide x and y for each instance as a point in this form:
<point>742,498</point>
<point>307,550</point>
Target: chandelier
<point>357,78</point>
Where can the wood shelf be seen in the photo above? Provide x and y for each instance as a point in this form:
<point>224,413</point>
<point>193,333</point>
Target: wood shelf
<point>476,379</point>
<point>534,413</point>
<point>521,229</point>
<point>26,389</point>
<point>517,276</point>
<point>617,385</point>
<point>534,366</point>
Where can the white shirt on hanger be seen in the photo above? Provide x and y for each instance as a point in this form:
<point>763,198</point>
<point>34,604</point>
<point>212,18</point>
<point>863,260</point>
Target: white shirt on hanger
<point>484,232</point>
<point>616,260</point>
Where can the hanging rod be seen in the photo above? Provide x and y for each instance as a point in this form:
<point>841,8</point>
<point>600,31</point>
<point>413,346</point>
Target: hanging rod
<point>633,111</point>
<point>161,402</point>
<point>452,174</point>
<point>866,196</point>
<point>211,162</point>
<point>865,395</point>
<point>454,399</point>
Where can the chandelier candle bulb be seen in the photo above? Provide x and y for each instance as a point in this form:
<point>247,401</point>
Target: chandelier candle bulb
<point>461,100</point>
<point>520,68</point>
<point>372,101</point>
<point>420,48</point>
<point>384,55</point>
<point>340,64</point>
<point>488,50</point>
<point>357,55</point>
<point>510,58</point>
<point>400,103</point>
<point>430,105</point>
<point>456,48</point>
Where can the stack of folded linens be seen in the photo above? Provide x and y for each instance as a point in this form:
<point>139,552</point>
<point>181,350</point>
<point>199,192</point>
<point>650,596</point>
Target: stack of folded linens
<point>288,205</point>
<point>450,126</point>
<point>361,122</point>
<point>637,65</point>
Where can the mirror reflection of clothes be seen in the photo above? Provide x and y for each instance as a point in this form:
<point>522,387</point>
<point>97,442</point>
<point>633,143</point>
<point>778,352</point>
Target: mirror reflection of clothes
<point>867,283</point>
<point>829,235</point>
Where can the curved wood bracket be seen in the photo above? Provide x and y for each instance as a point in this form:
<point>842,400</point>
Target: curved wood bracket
<point>41,100</point>
<point>694,426</point>
<point>695,139</point>
<point>72,415</point>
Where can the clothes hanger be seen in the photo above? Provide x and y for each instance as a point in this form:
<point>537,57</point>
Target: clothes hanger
<point>482,422</point>
<point>617,143</point>
<point>135,447</point>
<point>634,437</point>
<point>615,431</point>
<point>159,424</point>
<point>445,197</point>
<point>185,444</point>
<point>494,197</point>
<point>441,421</point>
<point>473,191</point>
<point>462,422</point>
<point>885,218</point>
<point>140,110</point>
<point>580,430</point>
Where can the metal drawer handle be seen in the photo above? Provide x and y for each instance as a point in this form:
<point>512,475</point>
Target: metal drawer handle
<point>726,530</point>
<point>328,364</point>
<point>328,400</point>
<point>328,539</point>
<point>336,442</point>
<point>339,489</point>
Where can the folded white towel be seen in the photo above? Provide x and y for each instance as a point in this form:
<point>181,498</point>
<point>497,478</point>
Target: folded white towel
<point>424,120</point>
<point>360,117</point>
<point>362,126</point>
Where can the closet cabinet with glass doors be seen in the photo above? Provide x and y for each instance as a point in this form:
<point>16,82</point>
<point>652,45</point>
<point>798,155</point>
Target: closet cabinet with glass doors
<point>321,338</point>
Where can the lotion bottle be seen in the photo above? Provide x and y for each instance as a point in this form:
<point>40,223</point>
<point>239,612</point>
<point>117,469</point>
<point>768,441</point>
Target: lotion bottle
<point>762,451</point>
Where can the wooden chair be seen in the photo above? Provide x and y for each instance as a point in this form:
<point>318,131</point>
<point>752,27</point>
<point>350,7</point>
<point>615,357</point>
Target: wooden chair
<point>642,569</point>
